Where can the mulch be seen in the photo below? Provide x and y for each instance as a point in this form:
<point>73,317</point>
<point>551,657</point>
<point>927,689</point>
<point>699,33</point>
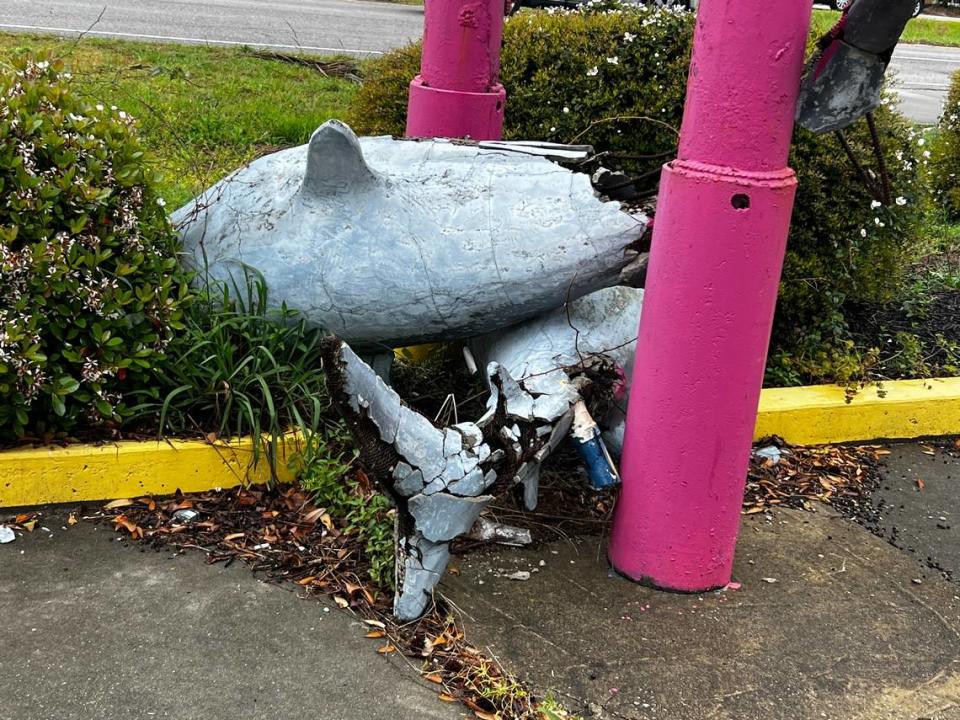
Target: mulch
<point>876,325</point>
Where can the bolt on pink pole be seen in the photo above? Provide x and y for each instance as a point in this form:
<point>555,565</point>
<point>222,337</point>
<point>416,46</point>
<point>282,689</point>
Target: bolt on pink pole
<point>458,91</point>
<point>719,239</point>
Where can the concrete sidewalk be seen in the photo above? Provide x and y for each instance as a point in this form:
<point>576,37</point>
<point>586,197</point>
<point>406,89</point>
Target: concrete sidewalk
<point>829,623</point>
<point>91,629</point>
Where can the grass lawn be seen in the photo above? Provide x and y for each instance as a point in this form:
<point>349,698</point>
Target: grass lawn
<point>919,30</point>
<point>202,111</point>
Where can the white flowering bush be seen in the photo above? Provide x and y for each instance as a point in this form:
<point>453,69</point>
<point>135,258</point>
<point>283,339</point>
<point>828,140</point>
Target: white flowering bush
<point>89,289</point>
<point>614,76</point>
<point>945,160</point>
<point>623,67</point>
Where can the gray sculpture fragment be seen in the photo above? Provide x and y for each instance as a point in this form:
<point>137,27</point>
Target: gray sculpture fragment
<point>442,479</point>
<point>389,242</point>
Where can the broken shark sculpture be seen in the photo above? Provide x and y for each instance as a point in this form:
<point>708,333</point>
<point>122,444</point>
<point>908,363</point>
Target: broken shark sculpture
<point>539,374</point>
<point>388,242</point>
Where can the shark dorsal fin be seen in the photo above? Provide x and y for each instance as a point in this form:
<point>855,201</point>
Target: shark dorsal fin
<point>335,161</point>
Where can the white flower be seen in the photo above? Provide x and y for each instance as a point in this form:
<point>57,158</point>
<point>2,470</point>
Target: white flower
<point>99,107</point>
<point>863,232</point>
<point>566,109</point>
<point>593,71</point>
<point>875,204</point>
<point>161,202</point>
<point>43,64</point>
<point>613,60</point>
<point>629,37</point>
<point>921,142</point>
<point>553,129</point>
<point>926,153</point>
<point>901,200</point>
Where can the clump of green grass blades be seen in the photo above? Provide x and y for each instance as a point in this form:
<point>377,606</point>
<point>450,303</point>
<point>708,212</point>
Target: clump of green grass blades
<point>239,368</point>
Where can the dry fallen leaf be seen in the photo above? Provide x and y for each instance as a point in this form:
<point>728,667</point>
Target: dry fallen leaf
<point>375,634</point>
<point>131,527</point>
<point>375,623</point>
<point>72,519</point>
<point>485,715</point>
<point>434,678</point>
<point>22,518</point>
<point>341,601</point>
<point>307,580</point>
<point>920,484</point>
<point>29,526</point>
<point>447,698</point>
<point>126,502</point>
<point>312,516</point>
<point>234,536</point>
<point>388,648</point>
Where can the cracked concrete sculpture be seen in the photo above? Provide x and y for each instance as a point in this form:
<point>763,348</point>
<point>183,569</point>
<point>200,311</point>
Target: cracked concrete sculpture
<point>441,478</point>
<point>389,242</point>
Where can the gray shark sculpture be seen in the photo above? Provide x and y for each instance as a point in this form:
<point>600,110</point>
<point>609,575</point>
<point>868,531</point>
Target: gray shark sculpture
<point>389,242</point>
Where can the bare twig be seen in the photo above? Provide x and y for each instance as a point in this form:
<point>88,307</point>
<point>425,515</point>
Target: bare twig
<point>622,118</point>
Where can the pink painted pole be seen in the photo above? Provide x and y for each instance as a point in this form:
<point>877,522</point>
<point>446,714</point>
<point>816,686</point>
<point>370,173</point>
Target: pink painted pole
<point>719,240</point>
<point>458,91</point>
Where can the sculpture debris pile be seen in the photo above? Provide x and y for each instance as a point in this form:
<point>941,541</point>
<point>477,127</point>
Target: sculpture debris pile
<point>539,374</point>
<point>496,244</point>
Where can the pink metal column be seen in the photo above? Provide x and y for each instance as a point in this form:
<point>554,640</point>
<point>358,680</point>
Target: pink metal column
<point>458,91</point>
<point>718,246</point>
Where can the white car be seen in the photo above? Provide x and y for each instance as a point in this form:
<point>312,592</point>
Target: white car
<point>844,4</point>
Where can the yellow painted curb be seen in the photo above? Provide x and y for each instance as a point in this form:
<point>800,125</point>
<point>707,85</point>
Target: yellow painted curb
<point>900,409</point>
<point>128,469</point>
<point>803,415</point>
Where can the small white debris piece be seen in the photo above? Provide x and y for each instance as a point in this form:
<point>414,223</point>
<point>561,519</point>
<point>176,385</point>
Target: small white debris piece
<point>769,580</point>
<point>519,575</point>
<point>771,453</point>
<point>186,515</point>
<point>6,535</point>
<point>487,530</point>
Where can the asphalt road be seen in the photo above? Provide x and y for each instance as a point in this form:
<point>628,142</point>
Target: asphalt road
<point>923,77</point>
<point>351,26</point>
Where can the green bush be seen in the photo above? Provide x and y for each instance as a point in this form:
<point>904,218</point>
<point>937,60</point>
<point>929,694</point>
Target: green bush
<point>617,78</point>
<point>945,160</point>
<point>238,367</point>
<point>89,289</point>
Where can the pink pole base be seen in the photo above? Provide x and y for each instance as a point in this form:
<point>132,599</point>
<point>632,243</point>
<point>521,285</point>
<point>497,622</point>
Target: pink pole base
<point>712,287</point>
<point>434,112</point>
